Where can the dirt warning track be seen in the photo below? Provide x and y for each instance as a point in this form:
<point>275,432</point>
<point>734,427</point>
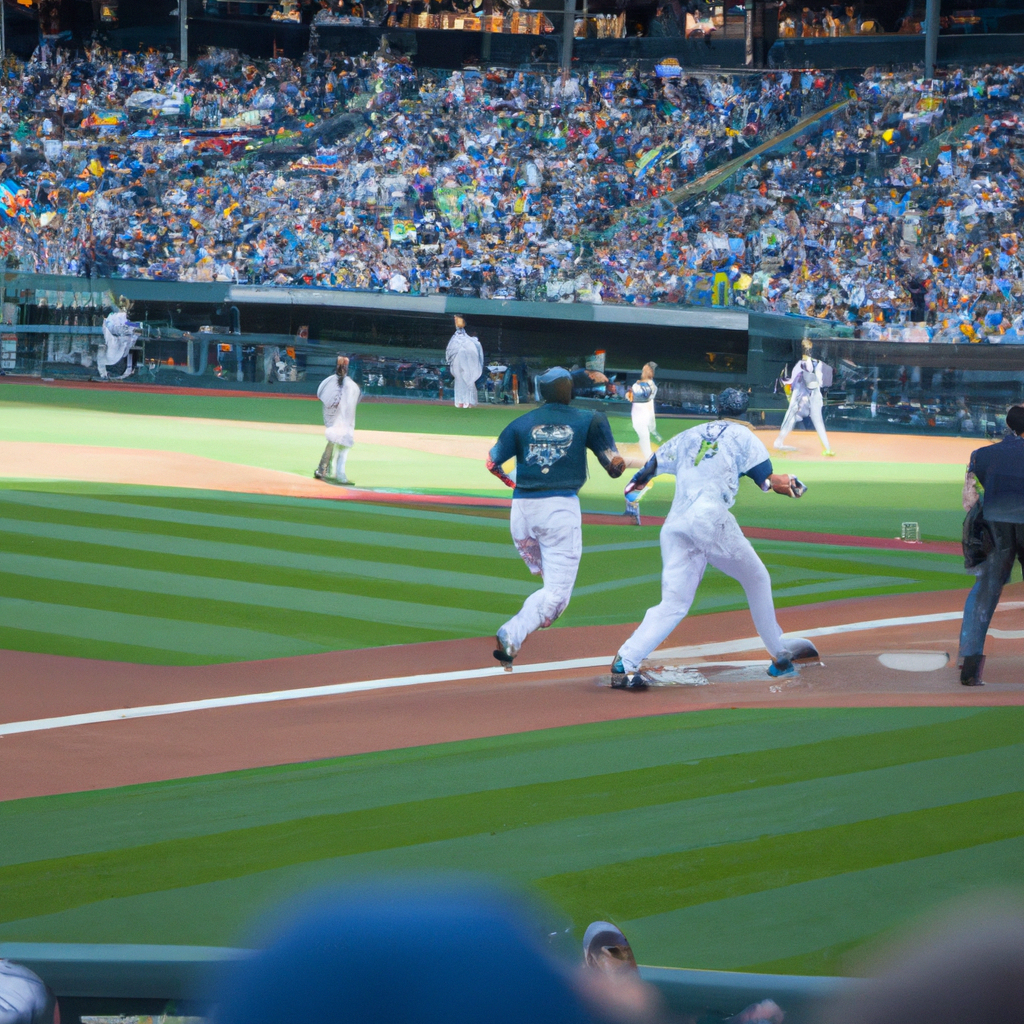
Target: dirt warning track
<point>71,724</point>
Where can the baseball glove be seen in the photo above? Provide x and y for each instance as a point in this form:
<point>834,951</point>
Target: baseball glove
<point>616,467</point>
<point>783,483</point>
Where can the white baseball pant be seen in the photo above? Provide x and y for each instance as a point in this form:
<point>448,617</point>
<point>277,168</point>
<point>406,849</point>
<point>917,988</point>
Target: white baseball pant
<point>466,395</point>
<point>815,404</point>
<point>338,459</point>
<point>706,532</point>
<point>548,535</point>
<point>642,414</point>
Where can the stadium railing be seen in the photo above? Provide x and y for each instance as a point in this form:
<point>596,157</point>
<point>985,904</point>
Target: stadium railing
<point>130,979</point>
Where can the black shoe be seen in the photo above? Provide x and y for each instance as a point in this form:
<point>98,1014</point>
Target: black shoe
<point>970,674</point>
<point>505,652</point>
<point>637,682</point>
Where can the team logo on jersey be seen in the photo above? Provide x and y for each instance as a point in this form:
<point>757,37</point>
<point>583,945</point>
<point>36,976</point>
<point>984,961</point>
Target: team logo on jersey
<point>708,450</point>
<point>709,442</point>
<point>549,442</point>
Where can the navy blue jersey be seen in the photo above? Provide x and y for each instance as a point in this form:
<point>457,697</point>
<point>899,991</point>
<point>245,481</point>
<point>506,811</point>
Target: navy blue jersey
<point>1000,470</point>
<point>550,446</point>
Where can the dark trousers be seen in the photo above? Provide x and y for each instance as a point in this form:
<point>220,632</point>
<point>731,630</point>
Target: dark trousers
<point>993,575</point>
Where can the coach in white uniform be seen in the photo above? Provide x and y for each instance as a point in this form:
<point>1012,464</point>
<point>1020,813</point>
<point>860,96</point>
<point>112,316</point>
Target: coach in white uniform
<point>340,395</point>
<point>465,358</point>
<point>550,446</point>
<point>708,461</point>
<point>805,399</point>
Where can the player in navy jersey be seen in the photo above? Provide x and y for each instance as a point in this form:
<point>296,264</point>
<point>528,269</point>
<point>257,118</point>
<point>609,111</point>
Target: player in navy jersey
<point>550,447</point>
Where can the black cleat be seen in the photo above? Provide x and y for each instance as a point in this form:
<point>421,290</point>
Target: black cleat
<point>970,674</point>
<point>801,649</point>
<point>505,652</point>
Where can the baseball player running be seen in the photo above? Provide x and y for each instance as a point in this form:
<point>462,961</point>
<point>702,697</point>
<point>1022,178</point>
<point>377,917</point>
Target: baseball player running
<point>708,461</point>
<point>340,395</point>
<point>550,446</point>
<point>642,395</point>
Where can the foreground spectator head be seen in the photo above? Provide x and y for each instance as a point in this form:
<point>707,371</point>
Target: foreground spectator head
<point>967,970</point>
<point>24,997</point>
<point>393,952</point>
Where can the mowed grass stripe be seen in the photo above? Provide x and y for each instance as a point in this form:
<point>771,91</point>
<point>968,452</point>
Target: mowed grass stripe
<point>653,885</point>
<point>737,933</point>
<point>273,506</point>
<point>72,823</point>
<point>188,637</point>
<point>49,886</point>
<point>255,573</point>
<point>42,642</point>
<point>342,534</point>
<point>281,538</point>
<point>317,631</point>
<point>277,558</point>
<point>356,607</point>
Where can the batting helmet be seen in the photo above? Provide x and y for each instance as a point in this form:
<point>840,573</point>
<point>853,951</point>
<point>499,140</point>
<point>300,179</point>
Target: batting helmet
<point>732,402</point>
<point>556,385</point>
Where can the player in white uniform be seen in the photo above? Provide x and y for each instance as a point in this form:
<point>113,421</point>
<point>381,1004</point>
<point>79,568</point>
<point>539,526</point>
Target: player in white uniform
<point>465,358</point>
<point>643,394</point>
<point>805,399</point>
<point>340,396</point>
<point>708,461</point>
<point>119,334</point>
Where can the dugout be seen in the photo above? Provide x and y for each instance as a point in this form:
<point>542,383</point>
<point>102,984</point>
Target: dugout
<point>284,340</point>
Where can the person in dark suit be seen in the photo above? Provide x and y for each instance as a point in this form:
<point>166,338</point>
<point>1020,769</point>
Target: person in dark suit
<point>999,469</point>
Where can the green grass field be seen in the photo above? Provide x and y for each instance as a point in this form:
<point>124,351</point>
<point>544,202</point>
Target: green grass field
<point>723,839</point>
<point>769,840</point>
<point>168,578</point>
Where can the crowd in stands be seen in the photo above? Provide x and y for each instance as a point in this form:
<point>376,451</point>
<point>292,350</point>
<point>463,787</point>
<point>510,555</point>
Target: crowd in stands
<point>899,214</point>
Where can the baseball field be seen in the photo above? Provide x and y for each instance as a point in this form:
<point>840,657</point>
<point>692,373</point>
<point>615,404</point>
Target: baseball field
<point>224,682</point>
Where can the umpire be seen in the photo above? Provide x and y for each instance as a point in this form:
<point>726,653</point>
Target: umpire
<point>999,469</point>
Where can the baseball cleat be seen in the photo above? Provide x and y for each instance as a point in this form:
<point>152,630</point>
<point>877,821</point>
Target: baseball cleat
<point>618,674</point>
<point>637,682</point>
<point>970,673</point>
<point>800,649</point>
<point>828,451</point>
<point>506,650</point>
<point>633,509</point>
<point>782,667</point>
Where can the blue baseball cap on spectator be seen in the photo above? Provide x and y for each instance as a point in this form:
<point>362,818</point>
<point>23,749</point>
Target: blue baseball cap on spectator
<point>433,953</point>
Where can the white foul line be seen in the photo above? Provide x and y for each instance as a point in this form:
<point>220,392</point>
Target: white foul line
<point>273,696</point>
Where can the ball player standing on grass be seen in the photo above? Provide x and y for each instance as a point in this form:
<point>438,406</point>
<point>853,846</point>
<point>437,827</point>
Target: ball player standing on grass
<point>550,446</point>
<point>708,461</point>
<point>340,396</point>
<point>642,395</point>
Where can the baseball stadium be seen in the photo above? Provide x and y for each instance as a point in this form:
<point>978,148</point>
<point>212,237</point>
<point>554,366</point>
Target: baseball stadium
<point>238,669</point>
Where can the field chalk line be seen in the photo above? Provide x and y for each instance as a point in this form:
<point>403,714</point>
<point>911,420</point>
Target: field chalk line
<point>273,696</point>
